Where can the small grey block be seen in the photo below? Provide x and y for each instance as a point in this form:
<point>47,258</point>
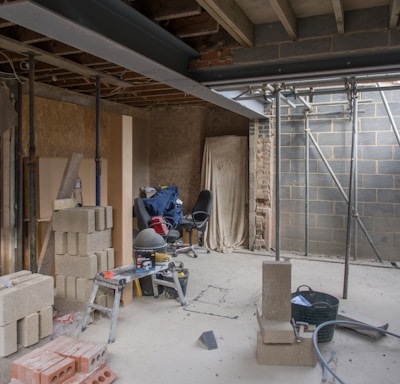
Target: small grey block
<point>208,339</point>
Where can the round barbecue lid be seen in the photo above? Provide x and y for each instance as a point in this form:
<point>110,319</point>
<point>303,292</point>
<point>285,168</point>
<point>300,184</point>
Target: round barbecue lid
<point>149,239</point>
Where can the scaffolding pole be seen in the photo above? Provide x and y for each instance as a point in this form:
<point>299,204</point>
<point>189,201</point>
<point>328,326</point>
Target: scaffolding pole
<point>343,193</point>
<point>98,155</point>
<point>391,118</point>
<point>307,182</point>
<point>278,176</point>
<point>350,208</point>
<point>354,172</point>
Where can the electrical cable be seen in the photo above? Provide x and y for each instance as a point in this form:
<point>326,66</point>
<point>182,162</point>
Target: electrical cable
<point>16,76</point>
<point>348,323</point>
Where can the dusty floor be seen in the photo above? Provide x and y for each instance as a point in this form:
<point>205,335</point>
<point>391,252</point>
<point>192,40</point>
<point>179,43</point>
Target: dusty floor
<point>157,339</point>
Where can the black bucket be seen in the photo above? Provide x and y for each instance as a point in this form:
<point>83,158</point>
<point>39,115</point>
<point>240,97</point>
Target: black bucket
<point>146,284</point>
<point>322,307</point>
<point>183,276</point>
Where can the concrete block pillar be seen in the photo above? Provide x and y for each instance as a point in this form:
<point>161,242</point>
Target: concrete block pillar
<point>276,342</point>
<point>277,287</point>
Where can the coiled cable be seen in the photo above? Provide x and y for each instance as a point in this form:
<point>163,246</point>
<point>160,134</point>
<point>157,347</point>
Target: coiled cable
<point>348,323</point>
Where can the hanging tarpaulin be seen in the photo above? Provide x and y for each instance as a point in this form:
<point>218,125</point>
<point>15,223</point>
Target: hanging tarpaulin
<point>225,173</point>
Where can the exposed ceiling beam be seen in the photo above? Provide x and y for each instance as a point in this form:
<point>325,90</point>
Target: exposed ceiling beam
<point>229,15</point>
<point>115,20</point>
<point>60,62</point>
<point>66,96</point>
<point>394,13</point>
<point>372,62</point>
<point>339,15</point>
<point>286,15</point>
<point>137,44</point>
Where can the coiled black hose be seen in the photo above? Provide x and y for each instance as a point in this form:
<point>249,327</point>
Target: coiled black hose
<point>342,322</point>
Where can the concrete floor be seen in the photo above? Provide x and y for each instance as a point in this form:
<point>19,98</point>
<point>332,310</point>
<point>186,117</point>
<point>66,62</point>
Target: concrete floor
<point>157,339</point>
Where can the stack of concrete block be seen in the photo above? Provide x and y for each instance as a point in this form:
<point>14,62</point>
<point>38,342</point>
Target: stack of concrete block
<point>26,310</point>
<point>278,343</point>
<point>63,360</point>
<point>83,247</point>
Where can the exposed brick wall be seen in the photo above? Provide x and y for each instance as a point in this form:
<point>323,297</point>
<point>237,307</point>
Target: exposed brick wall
<point>213,59</point>
<point>177,137</point>
<point>260,185</point>
<point>378,178</point>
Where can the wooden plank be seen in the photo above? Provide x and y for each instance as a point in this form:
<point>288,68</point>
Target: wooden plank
<point>66,189</point>
<point>339,15</point>
<point>286,15</point>
<point>7,251</point>
<point>230,16</point>
<point>70,175</point>
<point>357,317</point>
<point>7,112</point>
<point>120,194</point>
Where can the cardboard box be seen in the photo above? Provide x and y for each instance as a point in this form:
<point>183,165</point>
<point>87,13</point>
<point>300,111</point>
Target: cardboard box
<point>145,260</point>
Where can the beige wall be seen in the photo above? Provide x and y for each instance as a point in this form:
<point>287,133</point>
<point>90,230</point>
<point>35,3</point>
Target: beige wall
<point>167,148</point>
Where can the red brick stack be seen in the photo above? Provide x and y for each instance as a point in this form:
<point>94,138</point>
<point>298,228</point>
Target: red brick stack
<point>63,360</point>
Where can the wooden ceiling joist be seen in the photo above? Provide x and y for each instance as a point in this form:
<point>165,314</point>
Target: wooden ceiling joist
<point>228,14</point>
<point>394,13</point>
<point>286,15</point>
<point>339,15</point>
<point>57,48</point>
<point>43,56</point>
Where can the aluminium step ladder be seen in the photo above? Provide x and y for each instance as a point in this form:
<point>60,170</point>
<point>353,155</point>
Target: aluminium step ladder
<point>117,279</point>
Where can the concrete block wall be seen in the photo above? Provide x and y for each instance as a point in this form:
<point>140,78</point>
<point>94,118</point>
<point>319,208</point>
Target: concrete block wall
<point>317,39</point>
<point>83,243</point>
<point>26,310</point>
<point>378,178</point>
